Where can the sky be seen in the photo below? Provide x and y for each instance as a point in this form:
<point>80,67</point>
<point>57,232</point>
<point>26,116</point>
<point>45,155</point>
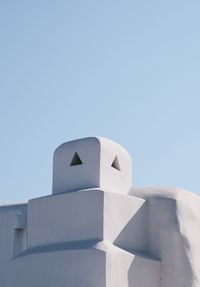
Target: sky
<point>126,70</point>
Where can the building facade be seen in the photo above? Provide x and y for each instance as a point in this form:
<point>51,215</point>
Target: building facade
<point>95,230</point>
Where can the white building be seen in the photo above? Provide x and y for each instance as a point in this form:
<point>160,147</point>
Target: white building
<point>95,230</point>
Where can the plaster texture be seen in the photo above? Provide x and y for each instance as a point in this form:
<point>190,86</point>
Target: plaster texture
<point>174,235</point>
<point>97,231</point>
<point>87,163</point>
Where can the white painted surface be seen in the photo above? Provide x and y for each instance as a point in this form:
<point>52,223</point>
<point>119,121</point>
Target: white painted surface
<point>118,181</point>
<point>65,217</point>
<point>125,221</point>
<point>129,270</point>
<point>94,231</point>
<point>174,233</point>
<point>95,171</point>
<point>85,175</point>
<point>8,236</point>
<point>56,268</point>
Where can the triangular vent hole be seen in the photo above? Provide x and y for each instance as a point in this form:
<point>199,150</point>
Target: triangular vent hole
<point>76,160</point>
<point>115,164</point>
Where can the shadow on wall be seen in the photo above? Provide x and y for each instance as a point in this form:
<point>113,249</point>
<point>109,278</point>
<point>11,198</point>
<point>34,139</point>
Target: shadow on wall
<point>144,272</point>
<point>133,238</point>
<point>134,235</point>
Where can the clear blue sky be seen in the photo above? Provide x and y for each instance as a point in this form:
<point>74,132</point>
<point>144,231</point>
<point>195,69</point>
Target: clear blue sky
<point>126,70</point>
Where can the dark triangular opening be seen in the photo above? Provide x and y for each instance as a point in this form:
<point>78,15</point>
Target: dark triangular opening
<point>115,164</point>
<point>76,160</point>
